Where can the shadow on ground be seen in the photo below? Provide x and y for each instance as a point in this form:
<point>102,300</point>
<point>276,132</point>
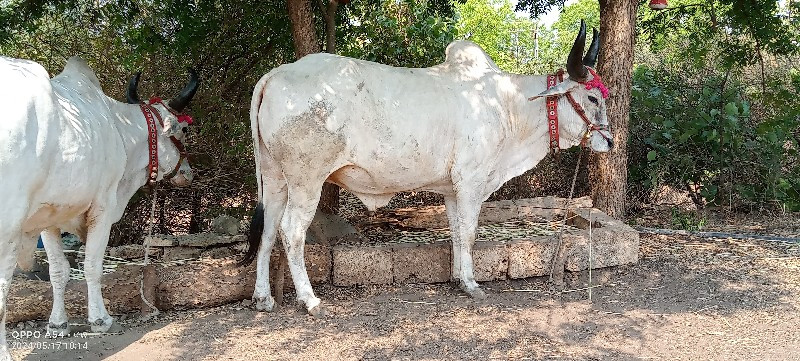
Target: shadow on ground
<point>686,299</point>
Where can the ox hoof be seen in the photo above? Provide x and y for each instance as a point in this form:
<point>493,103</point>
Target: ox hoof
<point>104,326</point>
<point>314,307</point>
<point>477,294</point>
<point>317,311</point>
<point>264,304</point>
<point>475,291</point>
<point>54,330</point>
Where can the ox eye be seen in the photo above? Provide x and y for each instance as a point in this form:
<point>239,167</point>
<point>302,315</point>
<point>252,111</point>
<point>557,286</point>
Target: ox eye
<point>185,130</point>
<point>593,100</point>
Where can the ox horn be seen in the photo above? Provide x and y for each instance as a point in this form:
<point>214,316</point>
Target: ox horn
<point>186,95</point>
<point>132,94</point>
<point>591,56</point>
<point>577,71</point>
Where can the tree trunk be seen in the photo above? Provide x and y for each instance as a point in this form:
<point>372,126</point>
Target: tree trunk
<point>305,42</point>
<point>303,33</point>
<point>329,13</point>
<point>608,173</point>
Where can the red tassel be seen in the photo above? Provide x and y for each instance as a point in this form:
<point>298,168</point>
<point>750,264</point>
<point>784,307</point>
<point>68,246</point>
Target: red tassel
<point>658,4</point>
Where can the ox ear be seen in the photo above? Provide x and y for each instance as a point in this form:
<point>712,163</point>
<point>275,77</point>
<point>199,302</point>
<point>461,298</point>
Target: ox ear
<point>559,89</point>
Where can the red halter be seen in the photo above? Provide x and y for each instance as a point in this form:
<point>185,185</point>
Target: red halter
<point>552,108</point>
<point>152,139</point>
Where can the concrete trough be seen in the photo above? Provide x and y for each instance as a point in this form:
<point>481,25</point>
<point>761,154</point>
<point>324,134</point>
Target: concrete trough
<point>347,259</point>
<point>613,243</point>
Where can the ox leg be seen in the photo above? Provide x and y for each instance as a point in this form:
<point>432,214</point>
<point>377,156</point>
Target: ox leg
<point>96,241</point>
<point>299,212</point>
<point>8,261</point>
<point>59,275</point>
<point>274,202</point>
<point>462,214</point>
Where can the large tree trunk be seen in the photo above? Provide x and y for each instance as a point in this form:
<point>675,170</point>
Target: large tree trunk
<point>303,33</point>
<point>608,173</point>
<point>305,42</point>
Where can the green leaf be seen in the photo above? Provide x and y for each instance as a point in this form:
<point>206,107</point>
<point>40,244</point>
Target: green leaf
<point>731,109</point>
<point>651,155</point>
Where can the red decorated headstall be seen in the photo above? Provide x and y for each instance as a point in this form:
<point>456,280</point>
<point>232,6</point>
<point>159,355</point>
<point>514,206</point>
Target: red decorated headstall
<point>152,139</point>
<point>552,108</point>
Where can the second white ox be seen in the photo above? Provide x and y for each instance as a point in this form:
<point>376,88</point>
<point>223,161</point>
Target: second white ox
<point>70,159</point>
<point>461,129</point>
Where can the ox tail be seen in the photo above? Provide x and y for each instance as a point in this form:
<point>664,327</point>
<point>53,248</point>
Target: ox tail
<point>257,223</point>
<point>254,237</point>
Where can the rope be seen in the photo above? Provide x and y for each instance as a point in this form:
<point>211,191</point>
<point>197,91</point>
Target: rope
<point>567,207</point>
<point>590,255</point>
<point>742,236</point>
<point>152,222</point>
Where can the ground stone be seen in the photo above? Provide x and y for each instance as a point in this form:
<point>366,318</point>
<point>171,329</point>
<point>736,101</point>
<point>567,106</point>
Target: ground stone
<point>180,253</point>
<point>490,260</point>
<point>421,263</point>
<point>132,251</point>
<point>613,243</point>
<point>362,265</point>
<point>225,225</point>
<point>530,257</point>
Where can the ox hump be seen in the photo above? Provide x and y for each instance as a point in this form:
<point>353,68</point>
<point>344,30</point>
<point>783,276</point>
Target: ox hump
<point>467,61</point>
<point>77,68</point>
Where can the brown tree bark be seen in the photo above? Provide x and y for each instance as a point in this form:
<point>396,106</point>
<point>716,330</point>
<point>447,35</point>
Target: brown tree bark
<point>305,42</point>
<point>608,172</point>
<point>303,33</point>
<point>329,13</point>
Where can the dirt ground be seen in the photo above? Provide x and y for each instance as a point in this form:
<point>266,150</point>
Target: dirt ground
<point>687,299</point>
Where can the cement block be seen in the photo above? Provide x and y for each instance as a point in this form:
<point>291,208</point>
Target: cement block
<point>319,264</point>
<point>613,243</point>
<point>490,261</point>
<point>132,251</point>
<point>180,253</point>
<point>208,240</point>
<point>161,240</point>
<point>362,265</point>
<point>421,263</point>
<point>225,225</point>
<point>530,257</point>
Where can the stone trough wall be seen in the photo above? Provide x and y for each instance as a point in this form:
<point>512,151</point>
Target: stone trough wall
<point>198,271</point>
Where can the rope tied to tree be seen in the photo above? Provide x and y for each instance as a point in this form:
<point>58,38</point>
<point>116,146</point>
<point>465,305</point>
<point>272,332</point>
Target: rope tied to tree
<point>150,226</point>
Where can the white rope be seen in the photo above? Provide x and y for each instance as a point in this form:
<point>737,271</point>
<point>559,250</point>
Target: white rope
<point>152,222</point>
<point>567,208</point>
<point>590,255</point>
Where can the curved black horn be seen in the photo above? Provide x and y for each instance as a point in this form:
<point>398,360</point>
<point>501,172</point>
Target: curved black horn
<point>186,95</point>
<point>591,56</point>
<point>132,94</point>
<point>575,66</point>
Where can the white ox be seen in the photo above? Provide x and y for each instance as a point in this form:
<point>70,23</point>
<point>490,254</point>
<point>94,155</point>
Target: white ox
<point>70,159</point>
<point>461,129</point>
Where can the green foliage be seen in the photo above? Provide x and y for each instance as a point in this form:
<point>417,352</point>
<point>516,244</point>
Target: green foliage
<point>492,24</point>
<point>687,220</point>
<point>703,137</point>
<point>401,33</point>
<point>557,42</point>
<point>538,7</point>
<point>739,31</point>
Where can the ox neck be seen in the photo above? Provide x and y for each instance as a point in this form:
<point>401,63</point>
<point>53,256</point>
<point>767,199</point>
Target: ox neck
<point>526,138</point>
<point>132,127</point>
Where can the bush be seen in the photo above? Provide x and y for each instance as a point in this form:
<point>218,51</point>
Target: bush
<point>704,138</point>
